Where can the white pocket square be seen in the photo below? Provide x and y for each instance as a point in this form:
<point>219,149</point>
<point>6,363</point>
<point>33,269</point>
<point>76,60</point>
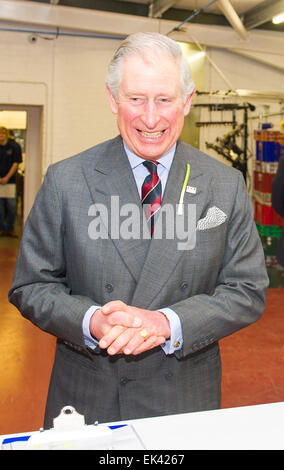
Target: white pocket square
<point>213,218</point>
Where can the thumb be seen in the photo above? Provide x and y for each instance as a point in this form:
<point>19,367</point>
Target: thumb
<point>112,306</point>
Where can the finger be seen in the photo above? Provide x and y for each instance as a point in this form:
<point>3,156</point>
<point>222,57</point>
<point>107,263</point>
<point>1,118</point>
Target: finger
<point>117,346</point>
<point>110,336</point>
<point>139,343</point>
<point>150,343</point>
<point>124,319</point>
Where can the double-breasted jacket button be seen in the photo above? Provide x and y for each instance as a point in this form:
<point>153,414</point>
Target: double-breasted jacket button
<point>183,285</point>
<point>109,287</point>
<point>124,380</point>
<point>168,375</point>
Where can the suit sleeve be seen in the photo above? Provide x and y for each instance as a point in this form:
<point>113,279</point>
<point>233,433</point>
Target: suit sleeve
<point>40,289</point>
<point>239,297</point>
<point>278,189</point>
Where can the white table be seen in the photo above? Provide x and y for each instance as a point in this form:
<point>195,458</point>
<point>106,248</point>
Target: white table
<point>244,428</point>
<point>258,427</point>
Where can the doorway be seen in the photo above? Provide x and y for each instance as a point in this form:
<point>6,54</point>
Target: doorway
<point>25,122</point>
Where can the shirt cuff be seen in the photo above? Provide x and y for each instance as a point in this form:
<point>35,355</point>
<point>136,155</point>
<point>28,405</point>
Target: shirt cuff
<point>175,342</point>
<point>90,341</point>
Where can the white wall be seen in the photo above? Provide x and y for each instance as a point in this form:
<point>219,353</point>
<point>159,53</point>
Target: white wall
<point>242,72</point>
<point>80,110</point>
<point>67,77</point>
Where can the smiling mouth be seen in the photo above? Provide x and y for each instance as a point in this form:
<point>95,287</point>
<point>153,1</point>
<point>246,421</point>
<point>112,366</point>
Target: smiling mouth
<point>151,135</point>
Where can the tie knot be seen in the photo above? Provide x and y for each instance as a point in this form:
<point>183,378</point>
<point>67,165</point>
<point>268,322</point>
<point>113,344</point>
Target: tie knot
<point>151,166</point>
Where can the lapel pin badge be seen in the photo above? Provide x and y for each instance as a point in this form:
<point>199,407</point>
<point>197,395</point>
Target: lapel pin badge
<point>191,189</point>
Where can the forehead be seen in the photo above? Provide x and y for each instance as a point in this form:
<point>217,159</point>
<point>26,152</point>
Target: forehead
<point>150,71</point>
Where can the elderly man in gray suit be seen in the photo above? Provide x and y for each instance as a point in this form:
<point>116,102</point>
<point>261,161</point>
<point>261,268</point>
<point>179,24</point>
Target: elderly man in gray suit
<point>137,307</point>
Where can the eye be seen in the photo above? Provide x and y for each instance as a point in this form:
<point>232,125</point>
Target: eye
<point>137,100</point>
<point>164,100</point>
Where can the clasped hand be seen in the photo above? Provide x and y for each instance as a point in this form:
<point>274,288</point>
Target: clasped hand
<point>118,328</point>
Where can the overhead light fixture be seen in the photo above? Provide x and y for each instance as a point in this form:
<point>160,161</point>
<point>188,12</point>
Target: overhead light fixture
<point>195,57</point>
<point>278,19</point>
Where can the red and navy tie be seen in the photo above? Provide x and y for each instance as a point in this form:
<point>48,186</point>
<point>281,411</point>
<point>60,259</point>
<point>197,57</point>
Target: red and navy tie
<point>151,193</point>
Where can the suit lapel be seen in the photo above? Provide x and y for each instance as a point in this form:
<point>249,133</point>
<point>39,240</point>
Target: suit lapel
<point>112,184</point>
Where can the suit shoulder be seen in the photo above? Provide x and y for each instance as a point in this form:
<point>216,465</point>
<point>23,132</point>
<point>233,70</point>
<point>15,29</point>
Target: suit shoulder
<point>73,163</point>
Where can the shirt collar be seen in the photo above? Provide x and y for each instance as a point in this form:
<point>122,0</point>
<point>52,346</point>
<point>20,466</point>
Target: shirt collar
<point>165,160</point>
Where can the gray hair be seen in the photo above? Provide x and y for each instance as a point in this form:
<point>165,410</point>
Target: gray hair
<point>141,43</point>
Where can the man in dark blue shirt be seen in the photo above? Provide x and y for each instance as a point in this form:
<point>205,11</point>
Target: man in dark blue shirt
<point>10,157</point>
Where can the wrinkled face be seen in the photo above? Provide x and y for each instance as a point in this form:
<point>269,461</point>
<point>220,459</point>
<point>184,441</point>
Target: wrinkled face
<point>149,107</point>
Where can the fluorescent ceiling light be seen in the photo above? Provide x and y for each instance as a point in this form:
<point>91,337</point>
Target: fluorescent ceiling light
<point>13,119</point>
<point>278,19</point>
<point>195,57</point>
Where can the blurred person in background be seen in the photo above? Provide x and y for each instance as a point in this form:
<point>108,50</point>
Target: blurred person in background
<point>10,157</point>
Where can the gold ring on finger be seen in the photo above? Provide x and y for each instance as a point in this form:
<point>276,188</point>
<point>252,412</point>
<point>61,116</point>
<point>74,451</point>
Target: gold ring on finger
<point>144,334</point>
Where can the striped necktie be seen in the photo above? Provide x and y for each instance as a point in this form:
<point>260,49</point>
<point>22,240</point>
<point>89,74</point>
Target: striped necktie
<point>151,193</point>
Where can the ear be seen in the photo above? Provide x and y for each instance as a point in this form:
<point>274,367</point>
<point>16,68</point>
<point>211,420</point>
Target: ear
<point>188,102</point>
<point>112,102</point>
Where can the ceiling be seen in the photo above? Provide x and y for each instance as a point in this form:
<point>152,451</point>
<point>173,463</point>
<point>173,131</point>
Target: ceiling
<point>250,13</point>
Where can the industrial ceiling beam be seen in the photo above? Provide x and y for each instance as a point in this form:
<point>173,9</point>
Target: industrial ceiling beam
<point>263,13</point>
<point>276,62</point>
<point>225,38</point>
<point>230,13</point>
<point>158,7</point>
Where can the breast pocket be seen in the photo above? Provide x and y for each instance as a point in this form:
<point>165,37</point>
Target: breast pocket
<point>210,244</point>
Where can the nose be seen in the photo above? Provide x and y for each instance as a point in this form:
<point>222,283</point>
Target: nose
<point>150,116</point>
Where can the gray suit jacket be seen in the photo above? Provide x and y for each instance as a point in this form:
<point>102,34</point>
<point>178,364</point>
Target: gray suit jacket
<point>216,288</point>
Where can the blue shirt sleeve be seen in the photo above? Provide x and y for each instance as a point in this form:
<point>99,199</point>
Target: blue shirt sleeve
<point>90,341</point>
<point>175,342</point>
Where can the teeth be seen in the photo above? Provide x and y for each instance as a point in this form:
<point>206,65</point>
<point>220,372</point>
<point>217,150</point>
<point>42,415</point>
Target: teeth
<point>152,135</point>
